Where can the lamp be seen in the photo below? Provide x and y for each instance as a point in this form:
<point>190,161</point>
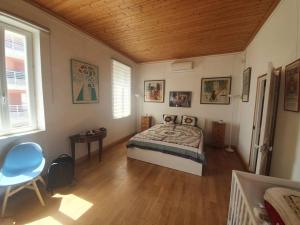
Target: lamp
<point>229,148</point>
<point>138,112</point>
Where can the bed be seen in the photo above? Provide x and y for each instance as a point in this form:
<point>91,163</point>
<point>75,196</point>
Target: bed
<point>174,146</point>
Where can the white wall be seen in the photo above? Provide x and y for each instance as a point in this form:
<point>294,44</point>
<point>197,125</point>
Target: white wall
<point>207,66</point>
<point>62,117</point>
<point>277,42</point>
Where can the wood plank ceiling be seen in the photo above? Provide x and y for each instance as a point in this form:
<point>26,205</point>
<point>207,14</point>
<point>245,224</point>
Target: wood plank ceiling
<point>150,30</point>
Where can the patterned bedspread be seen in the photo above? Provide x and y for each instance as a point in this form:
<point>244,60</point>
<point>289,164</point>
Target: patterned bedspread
<point>179,140</point>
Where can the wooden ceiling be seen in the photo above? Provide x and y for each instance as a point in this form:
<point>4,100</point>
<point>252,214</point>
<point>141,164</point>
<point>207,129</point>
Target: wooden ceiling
<point>150,30</point>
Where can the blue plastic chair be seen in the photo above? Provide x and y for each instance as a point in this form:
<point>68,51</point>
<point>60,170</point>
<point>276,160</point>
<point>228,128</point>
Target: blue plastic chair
<point>22,167</point>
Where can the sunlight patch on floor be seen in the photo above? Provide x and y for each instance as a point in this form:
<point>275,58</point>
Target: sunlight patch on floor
<point>73,206</point>
<point>45,221</point>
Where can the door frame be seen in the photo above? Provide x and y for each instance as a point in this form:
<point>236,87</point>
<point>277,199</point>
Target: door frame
<point>278,72</point>
<point>254,113</point>
<point>274,122</point>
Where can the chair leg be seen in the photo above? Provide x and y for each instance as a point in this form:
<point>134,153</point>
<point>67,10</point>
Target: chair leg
<point>42,180</point>
<point>6,196</point>
<point>38,193</point>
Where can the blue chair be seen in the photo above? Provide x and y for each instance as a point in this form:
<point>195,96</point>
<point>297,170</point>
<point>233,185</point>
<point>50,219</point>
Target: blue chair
<point>22,167</point>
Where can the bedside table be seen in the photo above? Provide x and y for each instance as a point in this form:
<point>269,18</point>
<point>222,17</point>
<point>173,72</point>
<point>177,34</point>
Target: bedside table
<point>218,134</point>
<point>146,122</point>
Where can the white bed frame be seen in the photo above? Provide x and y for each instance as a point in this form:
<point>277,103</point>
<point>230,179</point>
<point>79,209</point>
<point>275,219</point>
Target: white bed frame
<point>166,160</point>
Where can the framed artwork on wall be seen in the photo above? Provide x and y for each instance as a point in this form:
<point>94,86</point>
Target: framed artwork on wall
<point>180,99</point>
<point>85,82</point>
<point>154,91</point>
<point>215,90</point>
<point>246,84</point>
<point>292,83</point>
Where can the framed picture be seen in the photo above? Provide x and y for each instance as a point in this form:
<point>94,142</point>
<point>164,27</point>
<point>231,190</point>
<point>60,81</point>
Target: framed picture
<point>180,99</point>
<point>154,91</point>
<point>292,83</point>
<point>246,84</point>
<point>85,82</point>
<point>215,90</point>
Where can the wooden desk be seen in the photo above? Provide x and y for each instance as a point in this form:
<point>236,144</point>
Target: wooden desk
<point>77,138</point>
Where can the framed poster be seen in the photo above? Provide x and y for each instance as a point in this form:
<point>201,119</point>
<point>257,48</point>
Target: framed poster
<point>154,91</point>
<point>85,82</point>
<point>292,83</point>
<point>180,99</point>
<point>246,84</point>
<point>215,90</point>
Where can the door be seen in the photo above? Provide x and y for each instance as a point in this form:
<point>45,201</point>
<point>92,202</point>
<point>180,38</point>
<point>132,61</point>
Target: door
<point>257,122</point>
<point>264,122</point>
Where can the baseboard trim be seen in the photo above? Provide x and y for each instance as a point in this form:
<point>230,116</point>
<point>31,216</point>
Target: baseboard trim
<point>105,148</point>
<point>236,151</point>
<point>113,144</point>
<point>121,140</point>
<point>245,164</point>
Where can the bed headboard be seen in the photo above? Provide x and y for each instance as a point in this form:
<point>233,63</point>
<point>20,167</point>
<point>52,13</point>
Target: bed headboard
<point>201,122</point>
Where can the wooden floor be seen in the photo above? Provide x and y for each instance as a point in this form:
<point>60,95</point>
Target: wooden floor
<point>121,191</point>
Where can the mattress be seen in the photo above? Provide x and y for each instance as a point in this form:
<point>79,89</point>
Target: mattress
<point>179,140</point>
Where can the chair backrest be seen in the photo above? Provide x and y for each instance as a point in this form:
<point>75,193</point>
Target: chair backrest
<point>23,157</point>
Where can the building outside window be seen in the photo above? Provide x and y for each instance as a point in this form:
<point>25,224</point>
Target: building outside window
<point>18,102</point>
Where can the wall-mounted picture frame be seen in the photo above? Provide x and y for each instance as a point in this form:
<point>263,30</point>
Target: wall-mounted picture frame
<point>246,84</point>
<point>292,87</point>
<point>215,90</point>
<point>154,91</point>
<point>180,99</point>
<point>85,82</point>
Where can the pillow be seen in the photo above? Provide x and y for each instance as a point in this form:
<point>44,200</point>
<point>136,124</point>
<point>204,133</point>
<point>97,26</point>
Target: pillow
<point>189,120</point>
<point>169,119</point>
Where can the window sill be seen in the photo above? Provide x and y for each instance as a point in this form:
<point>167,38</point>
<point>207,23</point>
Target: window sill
<point>22,133</point>
<point>123,117</point>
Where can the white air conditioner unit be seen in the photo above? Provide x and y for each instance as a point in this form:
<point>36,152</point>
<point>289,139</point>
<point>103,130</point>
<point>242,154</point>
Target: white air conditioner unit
<point>181,66</point>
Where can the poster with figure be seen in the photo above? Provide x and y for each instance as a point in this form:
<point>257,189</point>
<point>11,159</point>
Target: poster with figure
<point>180,99</point>
<point>246,84</point>
<point>85,82</point>
<point>292,87</point>
<point>215,90</point>
<point>154,91</point>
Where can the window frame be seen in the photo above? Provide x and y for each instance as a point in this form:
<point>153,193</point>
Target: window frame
<point>5,128</point>
<point>130,85</point>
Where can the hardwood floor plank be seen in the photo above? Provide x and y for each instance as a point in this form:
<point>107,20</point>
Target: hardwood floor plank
<point>125,192</point>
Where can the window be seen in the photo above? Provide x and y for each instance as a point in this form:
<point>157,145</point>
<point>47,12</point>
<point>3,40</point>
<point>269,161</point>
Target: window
<point>17,87</point>
<point>121,82</point>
